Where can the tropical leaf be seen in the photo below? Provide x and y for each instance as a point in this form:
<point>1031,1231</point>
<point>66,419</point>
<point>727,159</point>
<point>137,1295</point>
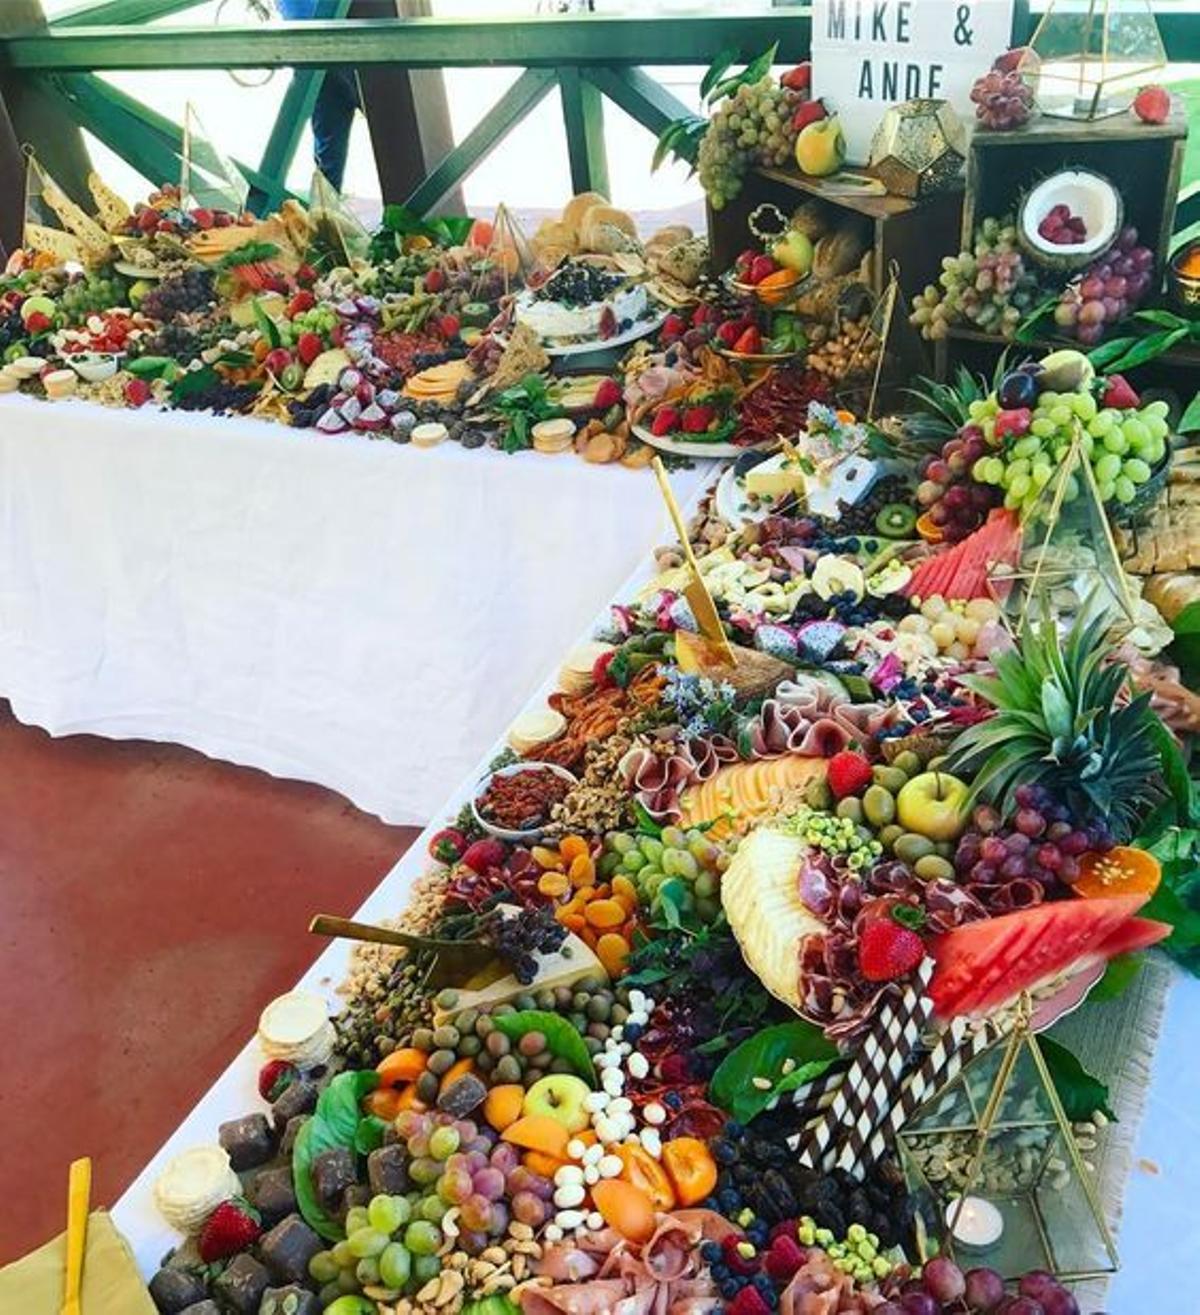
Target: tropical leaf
<point>721,65</point>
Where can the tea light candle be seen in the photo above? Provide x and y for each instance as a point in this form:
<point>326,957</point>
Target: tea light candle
<point>975,1224</point>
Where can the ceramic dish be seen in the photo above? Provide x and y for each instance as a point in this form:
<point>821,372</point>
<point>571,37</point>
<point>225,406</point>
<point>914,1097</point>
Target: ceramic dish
<point>508,833</point>
<point>94,366</point>
<point>638,330</point>
<point>681,448</point>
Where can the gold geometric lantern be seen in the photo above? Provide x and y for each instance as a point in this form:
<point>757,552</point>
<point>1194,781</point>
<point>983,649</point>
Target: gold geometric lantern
<point>1087,60</point>
<point>919,147</point>
<point>998,1179</point>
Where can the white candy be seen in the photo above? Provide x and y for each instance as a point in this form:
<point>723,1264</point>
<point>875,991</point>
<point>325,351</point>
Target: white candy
<point>595,1221</point>
<point>654,1113</point>
<point>649,1005</point>
<point>617,1032</point>
<point>610,1166</point>
<point>607,1060</point>
<point>576,1149</point>
<point>651,1141</point>
<point>593,1155</point>
<point>626,1048</point>
<point>638,1017</point>
<point>613,1081</point>
<point>606,1130</point>
<point>636,999</point>
<point>622,1105</point>
<point>570,1195</point>
<point>638,1066</point>
<point>552,1233</point>
<point>594,1101</point>
<point>569,1220</point>
<point>591,1175</point>
<point>569,1173</point>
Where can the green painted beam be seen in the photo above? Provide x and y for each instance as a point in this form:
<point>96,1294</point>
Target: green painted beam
<point>583,118</point>
<point>295,110</point>
<point>643,99</point>
<point>528,90</point>
<point>107,12</point>
<point>547,42</point>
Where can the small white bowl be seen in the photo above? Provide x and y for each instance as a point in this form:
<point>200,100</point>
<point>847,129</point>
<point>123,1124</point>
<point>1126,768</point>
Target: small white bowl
<point>504,833</point>
<point>93,367</point>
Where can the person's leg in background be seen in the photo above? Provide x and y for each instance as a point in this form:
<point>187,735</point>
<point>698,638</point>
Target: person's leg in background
<point>333,114</point>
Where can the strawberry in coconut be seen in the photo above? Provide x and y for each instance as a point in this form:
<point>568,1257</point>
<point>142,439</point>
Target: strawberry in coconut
<point>447,845</point>
<point>232,1227</point>
<point>274,1078</point>
<point>485,854</point>
<point>848,773</point>
<point>697,419</point>
<point>887,946</point>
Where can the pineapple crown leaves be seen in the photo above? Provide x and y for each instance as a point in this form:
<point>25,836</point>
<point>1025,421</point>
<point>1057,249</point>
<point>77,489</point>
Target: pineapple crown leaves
<point>1059,722</point>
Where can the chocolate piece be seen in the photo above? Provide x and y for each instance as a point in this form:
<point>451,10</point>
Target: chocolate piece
<point>292,1300</point>
<point>202,1308</point>
<point>299,1097</point>
<point>387,1171</point>
<point>288,1248</point>
<point>274,1195</point>
<point>241,1284</point>
<point>173,1289</point>
<point>355,1194</point>
<point>248,1141</point>
<point>463,1096</point>
<point>290,1133</point>
<point>332,1172</point>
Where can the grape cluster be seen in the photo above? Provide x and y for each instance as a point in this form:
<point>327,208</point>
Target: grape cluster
<point>319,319</point>
<point>175,340</point>
<point>85,295</point>
<point>650,863</point>
<point>944,1287</point>
<point>956,504</point>
<point>1108,290</point>
<point>1003,100</point>
<point>989,287</point>
<point>190,290</point>
<point>389,1242</point>
<point>1040,842</point>
<point>12,329</point>
<point>751,126</point>
<point>519,940</point>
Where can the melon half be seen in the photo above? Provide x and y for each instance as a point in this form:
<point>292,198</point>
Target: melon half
<point>985,965</point>
<point>1088,195</point>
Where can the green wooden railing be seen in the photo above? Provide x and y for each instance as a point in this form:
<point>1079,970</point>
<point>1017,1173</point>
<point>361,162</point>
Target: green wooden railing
<point>587,58</point>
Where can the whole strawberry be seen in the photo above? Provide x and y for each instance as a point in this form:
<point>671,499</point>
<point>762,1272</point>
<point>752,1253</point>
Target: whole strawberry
<point>887,950</point>
<point>232,1227</point>
<point>608,393</point>
<point>849,773</point>
<point>274,1078</point>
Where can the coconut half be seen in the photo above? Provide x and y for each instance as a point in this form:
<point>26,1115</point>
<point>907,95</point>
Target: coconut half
<point>1087,196</point>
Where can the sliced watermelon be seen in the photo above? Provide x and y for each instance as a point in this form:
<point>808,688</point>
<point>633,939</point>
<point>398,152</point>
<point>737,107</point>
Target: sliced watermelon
<point>987,964</point>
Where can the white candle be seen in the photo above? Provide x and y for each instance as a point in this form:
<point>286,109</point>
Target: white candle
<point>974,1223</point>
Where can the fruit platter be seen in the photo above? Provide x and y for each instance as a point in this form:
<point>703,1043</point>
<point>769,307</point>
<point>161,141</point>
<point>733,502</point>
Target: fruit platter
<point>689,983</point>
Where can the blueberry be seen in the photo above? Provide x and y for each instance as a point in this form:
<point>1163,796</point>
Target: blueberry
<point>734,1131</point>
<point>729,1288</point>
<point>673,1100</point>
<point>632,1032</point>
<point>710,1252</point>
<point>723,1152</point>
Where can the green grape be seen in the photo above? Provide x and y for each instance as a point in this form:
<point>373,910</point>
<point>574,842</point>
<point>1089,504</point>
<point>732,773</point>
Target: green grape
<point>1115,441</point>
<point>365,1242</point>
<point>1154,451</point>
<point>443,1142</point>
<point>1042,426</point>
<point>1020,486</point>
<point>342,1255</point>
<point>633,861</point>
<point>1136,470</point>
<point>347,1281</point>
<point>1011,500</point>
<point>706,886</point>
<point>323,1268</point>
<point>357,1217</point>
<point>1028,446</point>
<point>432,1208</point>
<point>1136,433</point>
<point>1156,426</point>
<point>426,1267</point>
<point>422,1237</point>
<point>1124,489</point>
<point>1084,405</point>
<point>651,848</point>
<point>1041,474</point>
<point>1070,489</point>
<point>1106,488</point>
<point>673,837</point>
<point>1108,468</point>
<point>620,842</point>
<point>1158,408</point>
<point>387,1213</point>
<point>367,1271</point>
<point>395,1265</point>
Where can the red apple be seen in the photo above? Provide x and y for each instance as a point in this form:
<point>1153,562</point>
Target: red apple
<point>1152,104</point>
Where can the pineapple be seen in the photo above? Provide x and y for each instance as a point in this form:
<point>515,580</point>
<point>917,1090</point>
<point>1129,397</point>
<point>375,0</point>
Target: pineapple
<point>1062,721</point>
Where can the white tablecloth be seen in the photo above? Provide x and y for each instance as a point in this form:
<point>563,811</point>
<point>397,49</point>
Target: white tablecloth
<point>334,610</point>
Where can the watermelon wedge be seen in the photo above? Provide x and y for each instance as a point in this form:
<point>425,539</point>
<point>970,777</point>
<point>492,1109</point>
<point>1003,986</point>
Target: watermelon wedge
<point>984,965</point>
<point>961,572</point>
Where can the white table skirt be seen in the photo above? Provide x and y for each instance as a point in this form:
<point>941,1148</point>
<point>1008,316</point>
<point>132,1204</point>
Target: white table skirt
<point>1160,1230</point>
<point>335,610</point>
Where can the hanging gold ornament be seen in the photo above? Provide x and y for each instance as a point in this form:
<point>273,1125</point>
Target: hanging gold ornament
<point>919,148</point>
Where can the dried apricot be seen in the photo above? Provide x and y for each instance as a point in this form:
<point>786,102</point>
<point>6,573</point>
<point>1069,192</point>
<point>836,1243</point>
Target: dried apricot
<point>383,1102</point>
<point>403,1065</point>
<point>626,1208</point>
<point>690,1167</point>
<point>538,1132</point>
<point>503,1105</point>
<point>605,913</point>
<point>644,1171</point>
<point>624,890</point>
<point>575,922</point>
<point>582,871</point>
<point>546,858</point>
<point>552,884</point>
<point>613,952</point>
<point>572,847</point>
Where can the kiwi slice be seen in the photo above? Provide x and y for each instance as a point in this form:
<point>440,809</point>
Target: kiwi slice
<point>476,312</point>
<point>895,520</point>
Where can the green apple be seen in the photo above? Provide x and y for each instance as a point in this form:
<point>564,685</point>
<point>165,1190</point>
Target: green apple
<point>933,805</point>
<point>559,1096</point>
<point>821,147</point>
<point>137,290</point>
<point>35,305</point>
<point>794,251</point>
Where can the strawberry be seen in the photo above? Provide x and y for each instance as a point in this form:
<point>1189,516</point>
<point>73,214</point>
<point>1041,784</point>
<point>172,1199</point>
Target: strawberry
<point>849,773</point>
<point>1152,104</point>
<point>147,220</point>
<point>1013,422</point>
<point>485,854</point>
<point>749,342</point>
<point>449,325</point>
<point>666,419</point>
<point>232,1227</point>
<point>38,322</point>
<point>434,281</point>
<point>784,1257</point>
<point>447,845</point>
<point>761,268</point>
<point>600,677</point>
<point>887,950</point>
<point>607,394</point>
<point>696,419</point>
<point>812,111</point>
<point>674,326</point>
<point>729,332</point>
<point>741,266</point>
<point>275,1076</point>
<point>203,218</point>
<point>306,276</point>
<point>137,392</point>
<point>302,301</point>
<point>1119,394</point>
<point>308,347</point>
<point>704,315</point>
<point>798,78</point>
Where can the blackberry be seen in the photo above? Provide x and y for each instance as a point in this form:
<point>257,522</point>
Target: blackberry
<point>577,284</point>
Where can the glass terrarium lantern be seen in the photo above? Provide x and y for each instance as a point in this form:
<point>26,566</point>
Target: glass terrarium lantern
<point>1088,58</point>
<point>993,1167</point>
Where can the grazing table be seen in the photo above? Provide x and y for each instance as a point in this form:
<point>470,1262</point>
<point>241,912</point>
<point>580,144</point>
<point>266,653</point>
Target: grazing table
<point>332,610</point>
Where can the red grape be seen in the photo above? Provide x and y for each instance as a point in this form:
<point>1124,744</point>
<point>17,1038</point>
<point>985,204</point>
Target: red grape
<point>943,1279</point>
<point>1029,822</point>
<point>984,1290</point>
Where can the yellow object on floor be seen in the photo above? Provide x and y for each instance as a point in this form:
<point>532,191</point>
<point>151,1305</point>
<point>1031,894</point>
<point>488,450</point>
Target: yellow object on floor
<point>112,1285</point>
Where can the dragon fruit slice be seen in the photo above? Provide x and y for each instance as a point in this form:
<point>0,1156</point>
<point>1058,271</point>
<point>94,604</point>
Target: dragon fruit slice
<point>819,639</point>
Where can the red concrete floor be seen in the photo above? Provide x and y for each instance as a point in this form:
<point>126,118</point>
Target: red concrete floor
<point>151,901</point>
